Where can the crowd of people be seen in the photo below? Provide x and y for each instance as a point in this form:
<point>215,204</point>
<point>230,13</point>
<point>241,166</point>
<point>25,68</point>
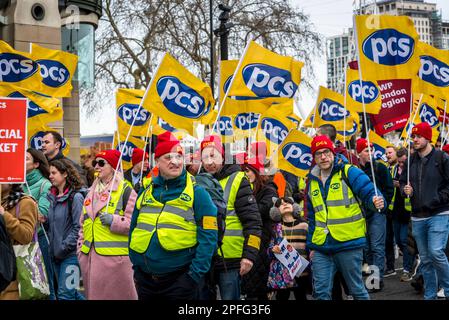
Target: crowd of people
<point>208,225</point>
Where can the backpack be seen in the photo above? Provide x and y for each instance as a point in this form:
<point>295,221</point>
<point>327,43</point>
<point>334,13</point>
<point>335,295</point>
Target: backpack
<point>213,187</point>
<point>8,268</point>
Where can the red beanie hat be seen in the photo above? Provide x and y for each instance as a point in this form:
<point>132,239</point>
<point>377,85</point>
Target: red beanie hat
<point>424,130</point>
<point>241,157</point>
<point>212,141</point>
<point>321,142</point>
<point>111,156</point>
<point>445,148</point>
<point>166,143</point>
<point>255,164</point>
<point>138,156</point>
<point>361,145</point>
<point>258,149</point>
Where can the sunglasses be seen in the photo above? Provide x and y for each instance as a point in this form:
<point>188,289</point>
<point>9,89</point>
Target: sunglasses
<point>286,200</point>
<point>101,163</point>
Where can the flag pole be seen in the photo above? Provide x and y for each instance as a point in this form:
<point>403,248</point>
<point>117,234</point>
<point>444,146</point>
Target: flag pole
<point>410,124</point>
<point>149,129</point>
<point>444,124</point>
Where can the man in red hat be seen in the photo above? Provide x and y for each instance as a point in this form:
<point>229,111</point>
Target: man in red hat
<point>427,185</point>
<point>376,221</point>
<point>241,241</point>
<point>140,168</point>
<point>336,223</point>
<point>173,233</point>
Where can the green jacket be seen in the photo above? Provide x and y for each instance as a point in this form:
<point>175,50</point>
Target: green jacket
<point>38,189</point>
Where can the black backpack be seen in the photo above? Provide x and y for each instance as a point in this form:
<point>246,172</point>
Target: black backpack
<point>8,267</point>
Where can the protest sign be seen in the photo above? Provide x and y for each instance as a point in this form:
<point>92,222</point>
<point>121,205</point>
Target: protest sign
<point>291,259</point>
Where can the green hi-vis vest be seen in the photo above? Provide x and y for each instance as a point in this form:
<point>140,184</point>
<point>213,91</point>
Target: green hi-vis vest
<point>340,215</point>
<point>106,243</point>
<point>407,203</point>
<point>233,239</point>
<point>173,222</point>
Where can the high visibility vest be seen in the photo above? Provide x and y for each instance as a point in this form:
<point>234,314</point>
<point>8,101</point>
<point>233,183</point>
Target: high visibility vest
<point>105,242</point>
<point>407,203</point>
<point>340,215</point>
<point>173,222</point>
<point>233,239</point>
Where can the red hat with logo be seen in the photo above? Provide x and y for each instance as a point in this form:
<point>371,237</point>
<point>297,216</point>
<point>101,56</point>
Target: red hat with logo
<point>445,148</point>
<point>167,143</point>
<point>255,164</point>
<point>321,142</point>
<point>112,156</point>
<point>212,141</point>
<point>424,130</point>
<point>361,145</point>
<point>138,156</point>
<point>258,149</point>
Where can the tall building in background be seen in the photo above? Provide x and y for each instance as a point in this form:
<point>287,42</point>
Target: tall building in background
<point>428,23</point>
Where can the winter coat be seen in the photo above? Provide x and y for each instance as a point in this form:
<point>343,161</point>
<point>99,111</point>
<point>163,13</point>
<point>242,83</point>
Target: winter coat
<point>254,283</point>
<point>63,223</point>
<point>430,189</point>
<point>128,177</point>
<point>341,149</point>
<point>107,277</point>
<point>39,187</point>
<point>361,186</point>
<point>21,231</point>
<point>248,213</point>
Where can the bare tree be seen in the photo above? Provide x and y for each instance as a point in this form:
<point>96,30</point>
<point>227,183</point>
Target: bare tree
<point>134,34</point>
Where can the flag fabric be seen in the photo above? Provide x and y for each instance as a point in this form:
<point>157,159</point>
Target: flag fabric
<point>294,154</point>
<point>177,96</point>
<point>18,68</point>
<point>57,69</point>
<point>379,144</point>
<point>357,94</point>
<point>127,107</point>
<point>245,124</point>
<point>131,144</point>
<point>433,75</point>
<point>346,135</point>
<point>226,129</point>
<point>265,74</point>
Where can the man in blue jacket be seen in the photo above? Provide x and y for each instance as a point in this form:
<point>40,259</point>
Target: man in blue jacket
<point>173,232</point>
<point>336,224</point>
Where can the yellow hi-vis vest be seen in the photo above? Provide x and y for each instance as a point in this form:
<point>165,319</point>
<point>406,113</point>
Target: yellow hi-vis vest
<point>340,215</point>
<point>106,243</point>
<point>233,239</point>
<point>173,222</point>
<point>407,203</point>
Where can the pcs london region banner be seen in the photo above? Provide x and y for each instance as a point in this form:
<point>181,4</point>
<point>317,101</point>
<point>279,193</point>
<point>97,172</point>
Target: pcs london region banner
<point>13,135</point>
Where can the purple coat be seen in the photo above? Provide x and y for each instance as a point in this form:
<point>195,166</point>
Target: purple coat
<point>107,277</point>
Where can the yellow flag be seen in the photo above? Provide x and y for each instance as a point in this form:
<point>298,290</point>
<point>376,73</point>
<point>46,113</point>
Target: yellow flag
<point>379,144</point>
<point>369,93</point>
<point>131,144</point>
<point>433,75</point>
<point>226,129</point>
<point>159,126</point>
<point>265,74</point>
<point>41,109</point>
<point>57,69</point>
<point>18,68</point>
<point>36,134</point>
<point>245,124</point>
<point>343,135</point>
<point>387,47</point>
<point>127,107</point>
<point>294,154</point>
<point>308,122</point>
<point>330,110</point>
<point>177,96</point>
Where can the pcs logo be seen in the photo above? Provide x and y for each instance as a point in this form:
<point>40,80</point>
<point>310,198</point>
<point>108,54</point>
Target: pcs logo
<point>379,153</point>
<point>298,155</point>
<point>428,115</point>
<point>33,108</point>
<point>246,121</point>
<point>127,151</point>
<point>165,125</point>
<point>185,197</point>
<point>54,73</point>
<point>330,110</point>
<point>128,111</point>
<point>225,126</point>
<point>434,71</point>
<point>268,81</point>
<point>368,91</point>
<point>15,68</point>
<point>388,47</point>
<point>179,98</point>
<point>274,130</point>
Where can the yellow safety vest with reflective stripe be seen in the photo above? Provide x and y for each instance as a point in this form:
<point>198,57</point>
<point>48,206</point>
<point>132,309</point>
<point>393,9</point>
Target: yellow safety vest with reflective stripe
<point>174,222</point>
<point>340,215</point>
<point>407,203</point>
<point>233,239</point>
<point>106,243</point>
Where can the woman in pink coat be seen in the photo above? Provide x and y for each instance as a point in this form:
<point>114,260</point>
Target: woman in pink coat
<point>103,239</point>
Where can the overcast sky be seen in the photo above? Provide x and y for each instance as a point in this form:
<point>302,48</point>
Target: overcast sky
<point>330,17</point>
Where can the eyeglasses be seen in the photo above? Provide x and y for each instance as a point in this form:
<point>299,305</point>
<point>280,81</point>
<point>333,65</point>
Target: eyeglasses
<point>100,163</point>
<point>325,152</point>
<point>285,200</point>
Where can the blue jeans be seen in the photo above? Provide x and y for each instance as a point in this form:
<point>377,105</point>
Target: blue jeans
<point>376,234</point>
<point>43,245</point>
<point>431,239</point>
<point>68,275</point>
<point>349,263</point>
<point>400,236</point>
<point>229,284</point>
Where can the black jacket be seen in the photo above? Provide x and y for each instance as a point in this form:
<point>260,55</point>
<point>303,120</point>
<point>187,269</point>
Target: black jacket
<point>248,213</point>
<point>430,188</point>
<point>78,168</point>
<point>128,177</point>
<point>254,283</point>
